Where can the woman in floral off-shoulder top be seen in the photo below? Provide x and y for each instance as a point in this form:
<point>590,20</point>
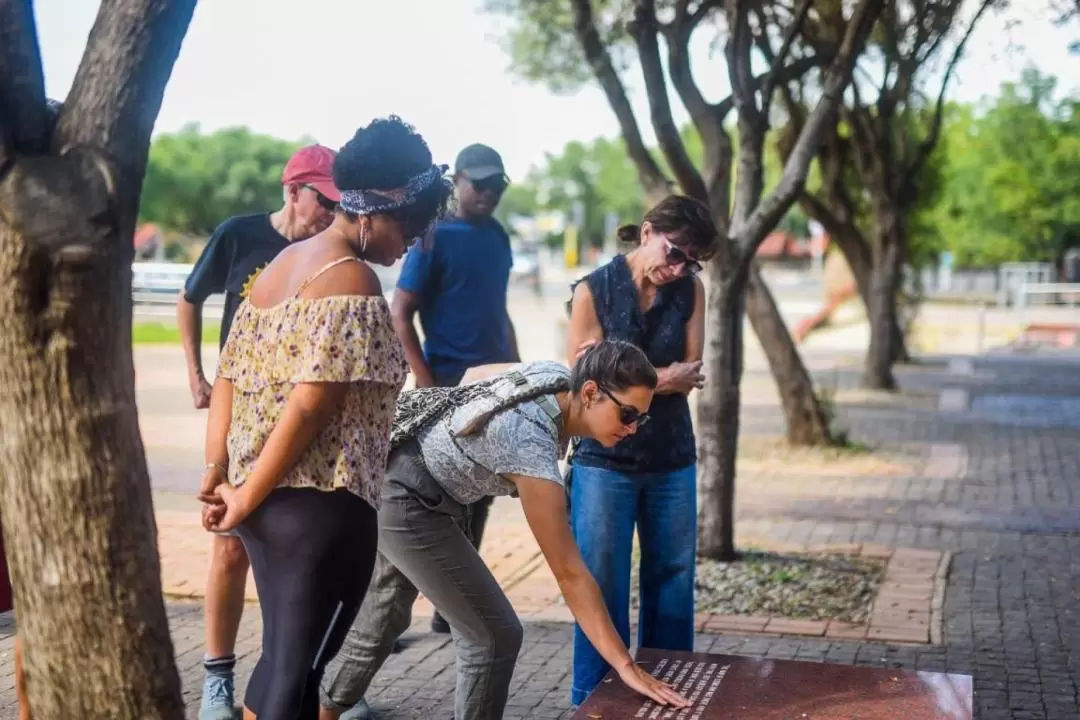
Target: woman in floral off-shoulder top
<point>301,412</point>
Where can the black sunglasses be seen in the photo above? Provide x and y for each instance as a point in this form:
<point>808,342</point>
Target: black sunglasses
<point>324,202</point>
<point>676,256</point>
<point>627,415</point>
<point>496,184</point>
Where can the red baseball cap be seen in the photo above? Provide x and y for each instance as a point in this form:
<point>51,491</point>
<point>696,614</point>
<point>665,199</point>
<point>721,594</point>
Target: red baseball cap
<point>313,165</point>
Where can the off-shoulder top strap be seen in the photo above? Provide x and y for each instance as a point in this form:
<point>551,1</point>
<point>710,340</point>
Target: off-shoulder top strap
<point>314,276</point>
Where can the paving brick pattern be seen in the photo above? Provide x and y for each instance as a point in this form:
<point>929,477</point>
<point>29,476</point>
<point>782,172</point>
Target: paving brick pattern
<point>1001,499</point>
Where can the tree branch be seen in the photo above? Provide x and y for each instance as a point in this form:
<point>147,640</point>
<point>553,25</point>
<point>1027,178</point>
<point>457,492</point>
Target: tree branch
<point>780,58</point>
<point>651,176</point>
<point>706,6</point>
<point>644,30</point>
<point>737,50</point>
<point>931,140</point>
<point>23,126</point>
<point>770,211</point>
<point>792,71</point>
<point>117,91</point>
<point>708,119</point>
<point>752,123</point>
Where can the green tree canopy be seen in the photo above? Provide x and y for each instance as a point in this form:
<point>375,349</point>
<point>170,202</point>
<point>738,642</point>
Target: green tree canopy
<point>1009,185</point>
<point>196,180</point>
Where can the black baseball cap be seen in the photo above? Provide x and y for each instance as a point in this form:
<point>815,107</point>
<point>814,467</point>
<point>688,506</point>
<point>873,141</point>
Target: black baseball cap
<point>478,162</point>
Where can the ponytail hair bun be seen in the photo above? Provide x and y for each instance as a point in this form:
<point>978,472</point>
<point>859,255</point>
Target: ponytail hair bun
<point>629,234</point>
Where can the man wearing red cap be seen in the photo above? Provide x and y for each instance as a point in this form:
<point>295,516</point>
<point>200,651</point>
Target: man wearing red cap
<point>237,251</point>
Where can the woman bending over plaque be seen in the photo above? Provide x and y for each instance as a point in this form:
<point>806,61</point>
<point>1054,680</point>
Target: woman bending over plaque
<point>501,433</point>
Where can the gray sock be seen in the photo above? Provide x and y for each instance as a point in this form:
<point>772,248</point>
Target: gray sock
<point>221,667</point>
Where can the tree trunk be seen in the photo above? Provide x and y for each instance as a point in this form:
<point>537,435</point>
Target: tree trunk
<point>807,423</point>
<point>859,258</point>
<point>81,536</point>
<point>718,421</point>
<point>76,510</point>
<point>883,311</point>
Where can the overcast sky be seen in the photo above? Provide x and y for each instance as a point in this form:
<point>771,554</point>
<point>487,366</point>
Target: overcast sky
<point>324,67</point>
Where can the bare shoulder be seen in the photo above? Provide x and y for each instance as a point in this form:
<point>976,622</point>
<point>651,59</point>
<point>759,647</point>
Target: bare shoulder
<point>351,277</point>
<point>582,301</point>
<point>582,293</point>
<point>699,287</point>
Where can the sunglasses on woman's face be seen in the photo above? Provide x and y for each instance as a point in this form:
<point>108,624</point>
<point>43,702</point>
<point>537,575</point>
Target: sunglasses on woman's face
<point>628,415</point>
<point>324,202</point>
<point>677,256</point>
<point>496,184</point>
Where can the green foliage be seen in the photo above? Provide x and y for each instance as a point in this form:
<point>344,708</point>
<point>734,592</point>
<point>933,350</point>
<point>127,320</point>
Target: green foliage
<point>601,177</point>
<point>597,175</point>
<point>1010,178</point>
<point>195,180</point>
<point>518,200</point>
<point>543,48</point>
<point>925,241</point>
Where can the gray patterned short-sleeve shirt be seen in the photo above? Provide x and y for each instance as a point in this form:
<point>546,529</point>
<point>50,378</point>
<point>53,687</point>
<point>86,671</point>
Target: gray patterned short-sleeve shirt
<point>523,440</point>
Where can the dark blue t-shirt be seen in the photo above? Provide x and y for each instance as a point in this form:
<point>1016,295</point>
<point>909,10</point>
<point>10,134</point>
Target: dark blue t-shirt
<point>461,282</point>
<point>237,251</point>
<point>666,442</point>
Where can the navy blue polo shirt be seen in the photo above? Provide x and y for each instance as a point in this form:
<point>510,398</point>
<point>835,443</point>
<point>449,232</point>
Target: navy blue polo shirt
<point>461,281</point>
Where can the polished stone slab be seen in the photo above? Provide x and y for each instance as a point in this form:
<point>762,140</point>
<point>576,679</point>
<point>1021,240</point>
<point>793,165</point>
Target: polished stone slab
<point>727,687</point>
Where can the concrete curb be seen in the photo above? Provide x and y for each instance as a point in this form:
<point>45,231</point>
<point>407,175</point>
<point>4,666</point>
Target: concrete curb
<point>937,604</point>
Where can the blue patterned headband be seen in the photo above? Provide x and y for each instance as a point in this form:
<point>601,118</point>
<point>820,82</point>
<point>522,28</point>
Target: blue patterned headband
<point>373,202</point>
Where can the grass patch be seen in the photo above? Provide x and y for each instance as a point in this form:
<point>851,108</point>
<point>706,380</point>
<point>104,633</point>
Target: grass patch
<point>154,333</point>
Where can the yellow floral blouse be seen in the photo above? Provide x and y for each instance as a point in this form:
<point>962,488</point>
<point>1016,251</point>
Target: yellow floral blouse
<point>346,338</point>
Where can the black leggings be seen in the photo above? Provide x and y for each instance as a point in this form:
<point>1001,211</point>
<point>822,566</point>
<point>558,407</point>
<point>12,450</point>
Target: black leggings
<point>312,553</point>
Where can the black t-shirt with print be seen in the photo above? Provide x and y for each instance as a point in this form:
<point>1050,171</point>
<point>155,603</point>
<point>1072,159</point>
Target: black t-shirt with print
<point>237,251</point>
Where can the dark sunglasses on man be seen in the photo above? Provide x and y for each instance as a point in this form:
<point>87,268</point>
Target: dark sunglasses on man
<point>496,184</point>
<point>628,415</point>
<point>324,202</point>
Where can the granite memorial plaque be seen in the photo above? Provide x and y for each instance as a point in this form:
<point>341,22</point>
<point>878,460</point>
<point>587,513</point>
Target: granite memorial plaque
<point>727,687</point>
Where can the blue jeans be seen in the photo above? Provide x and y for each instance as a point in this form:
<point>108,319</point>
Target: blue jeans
<point>604,505</point>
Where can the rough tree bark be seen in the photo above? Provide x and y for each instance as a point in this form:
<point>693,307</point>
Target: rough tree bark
<point>884,291</point>
<point>718,426</point>
<point>76,509</point>
<point>807,422</point>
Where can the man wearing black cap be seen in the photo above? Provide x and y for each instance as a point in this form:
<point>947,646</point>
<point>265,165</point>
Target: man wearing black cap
<point>458,285</point>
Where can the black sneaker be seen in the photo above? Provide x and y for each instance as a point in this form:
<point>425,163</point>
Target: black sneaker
<point>438,625</point>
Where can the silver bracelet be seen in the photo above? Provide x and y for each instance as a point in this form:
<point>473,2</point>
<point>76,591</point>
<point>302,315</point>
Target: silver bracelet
<point>213,465</point>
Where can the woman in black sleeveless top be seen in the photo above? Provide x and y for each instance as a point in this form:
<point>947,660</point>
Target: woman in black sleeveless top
<point>652,299</point>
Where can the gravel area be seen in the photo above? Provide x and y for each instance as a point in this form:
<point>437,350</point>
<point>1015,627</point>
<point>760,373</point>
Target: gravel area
<point>808,587</point>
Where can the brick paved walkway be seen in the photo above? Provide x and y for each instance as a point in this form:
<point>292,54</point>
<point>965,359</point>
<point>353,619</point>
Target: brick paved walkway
<point>996,484</point>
